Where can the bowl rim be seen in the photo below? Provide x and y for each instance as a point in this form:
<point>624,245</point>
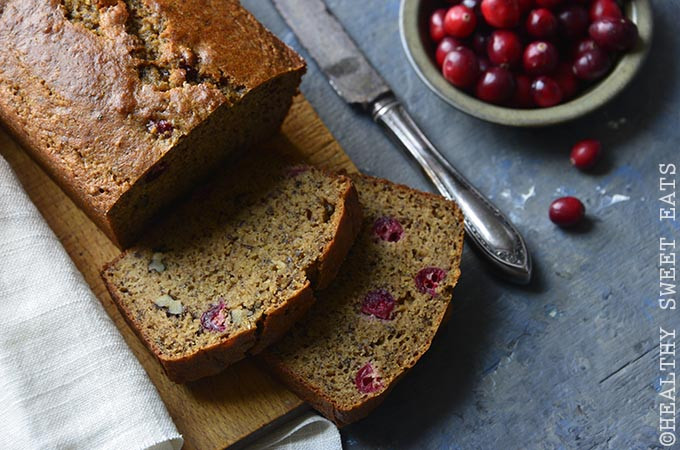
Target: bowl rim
<point>639,11</point>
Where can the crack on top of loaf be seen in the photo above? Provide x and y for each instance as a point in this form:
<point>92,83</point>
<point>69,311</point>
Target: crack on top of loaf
<point>145,26</point>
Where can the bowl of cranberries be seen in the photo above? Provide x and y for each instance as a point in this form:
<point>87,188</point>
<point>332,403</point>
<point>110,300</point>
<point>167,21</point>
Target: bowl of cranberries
<point>526,62</point>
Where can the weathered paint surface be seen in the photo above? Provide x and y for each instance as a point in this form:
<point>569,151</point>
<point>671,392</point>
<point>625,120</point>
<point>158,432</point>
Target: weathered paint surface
<point>572,360</point>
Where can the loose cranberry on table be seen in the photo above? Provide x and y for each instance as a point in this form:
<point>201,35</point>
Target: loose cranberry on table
<point>540,58</point>
<point>460,67</point>
<point>584,154</point>
<point>567,211</point>
<point>546,92</point>
<point>504,48</point>
<point>496,85</point>
<point>501,13</point>
<point>541,24</point>
<point>437,32</point>
<point>605,9</point>
<point>614,34</point>
<point>445,46</point>
<point>460,21</point>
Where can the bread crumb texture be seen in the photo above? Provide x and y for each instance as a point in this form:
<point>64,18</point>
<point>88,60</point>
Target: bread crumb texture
<point>237,251</point>
<point>381,313</point>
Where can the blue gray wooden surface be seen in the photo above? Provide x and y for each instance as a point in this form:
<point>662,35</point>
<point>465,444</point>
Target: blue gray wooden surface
<point>570,361</point>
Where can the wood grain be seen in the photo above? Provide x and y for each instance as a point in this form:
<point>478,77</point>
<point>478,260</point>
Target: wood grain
<point>218,411</point>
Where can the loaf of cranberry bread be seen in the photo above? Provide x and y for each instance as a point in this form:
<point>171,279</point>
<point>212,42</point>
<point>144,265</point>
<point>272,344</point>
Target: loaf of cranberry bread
<point>231,270</point>
<point>126,103</point>
<point>381,313</point>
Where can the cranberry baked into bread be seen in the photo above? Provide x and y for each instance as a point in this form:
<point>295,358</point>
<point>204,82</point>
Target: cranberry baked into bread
<point>230,271</point>
<point>126,103</point>
<point>381,313</point>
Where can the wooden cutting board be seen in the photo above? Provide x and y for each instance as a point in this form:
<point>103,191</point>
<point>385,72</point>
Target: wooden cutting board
<point>218,411</point>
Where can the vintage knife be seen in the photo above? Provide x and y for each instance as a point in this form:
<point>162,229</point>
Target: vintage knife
<point>356,81</point>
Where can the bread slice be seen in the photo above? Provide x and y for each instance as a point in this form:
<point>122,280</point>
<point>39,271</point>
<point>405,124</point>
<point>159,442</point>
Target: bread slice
<point>234,268</point>
<point>381,313</point>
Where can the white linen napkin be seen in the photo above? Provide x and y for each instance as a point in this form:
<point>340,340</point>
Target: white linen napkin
<point>67,378</point>
<point>308,432</point>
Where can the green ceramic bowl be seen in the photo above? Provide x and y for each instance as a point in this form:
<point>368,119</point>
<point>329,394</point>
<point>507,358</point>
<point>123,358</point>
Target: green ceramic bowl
<point>414,16</point>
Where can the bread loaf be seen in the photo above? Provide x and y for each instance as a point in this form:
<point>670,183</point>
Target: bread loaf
<point>127,103</point>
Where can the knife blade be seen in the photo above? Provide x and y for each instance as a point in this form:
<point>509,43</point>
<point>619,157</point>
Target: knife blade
<point>357,82</point>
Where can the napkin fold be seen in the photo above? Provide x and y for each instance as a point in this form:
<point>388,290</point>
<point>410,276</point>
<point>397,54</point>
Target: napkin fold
<point>67,378</point>
<point>307,432</point>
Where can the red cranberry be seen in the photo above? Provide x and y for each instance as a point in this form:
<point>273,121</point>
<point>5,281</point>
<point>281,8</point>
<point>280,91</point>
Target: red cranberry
<point>445,46</point>
<point>567,211</point>
<point>388,229</point>
<point>541,23</point>
<point>546,92</point>
<point>496,85</point>
<point>479,42</point>
<point>584,46</point>
<point>540,58</point>
<point>522,97</point>
<point>573,21</point>
<point>614,35</point>
<point>460,21</point>
<point>460,67</point>
<point>160,127</point>
<point>584,154</point>
<point>368,379</point>
<point>378,303</point>
<point>504,48</point>
<point>591,64</point>
<point>565,78</point>
<point>605,9</point>
<point>550,4</point>
<point>214,319</point>
<point>501,13</point>
<point>428,279</point>
<point>437,32</point>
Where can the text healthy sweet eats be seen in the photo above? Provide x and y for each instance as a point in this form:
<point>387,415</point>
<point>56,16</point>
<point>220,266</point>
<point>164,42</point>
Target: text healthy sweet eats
<point>231,270</point>
<point>379,316</point>
<point>528,53</point>
<point>127,103</point>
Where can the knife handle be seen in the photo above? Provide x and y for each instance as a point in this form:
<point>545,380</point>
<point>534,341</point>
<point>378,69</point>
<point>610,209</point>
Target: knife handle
<point>498,240</point>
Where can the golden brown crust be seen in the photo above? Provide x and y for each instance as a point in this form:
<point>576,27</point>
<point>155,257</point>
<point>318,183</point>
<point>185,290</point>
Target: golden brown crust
<point>76,99</point>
